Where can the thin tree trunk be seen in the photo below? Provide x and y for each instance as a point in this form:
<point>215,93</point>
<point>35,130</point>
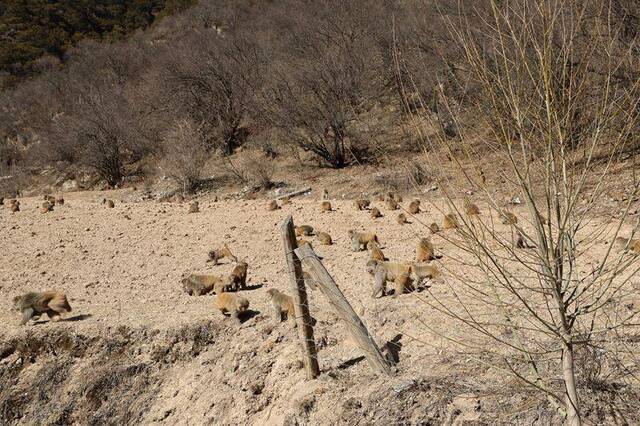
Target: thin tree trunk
<point>568,374</point>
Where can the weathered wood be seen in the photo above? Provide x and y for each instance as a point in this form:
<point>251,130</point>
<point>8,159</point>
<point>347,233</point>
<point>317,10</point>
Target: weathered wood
<point>327,285</point>
<point>294,193</point>
<point>303,317</point>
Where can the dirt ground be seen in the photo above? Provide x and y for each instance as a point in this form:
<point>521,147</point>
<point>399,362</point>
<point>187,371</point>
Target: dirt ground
<point>131,321</point>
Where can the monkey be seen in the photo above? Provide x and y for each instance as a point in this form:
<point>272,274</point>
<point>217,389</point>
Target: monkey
<point>359,240</point>
<point>325,206</point>
<point>325,194</point>
<point>200,284</point>
<point>239,276</point>
<point>392,204</point>
<point>414,207</point>
<point>14,206</point>
<point>397,273</point>
<point>635,246</point>
<point>375,213</point>
<point>282,304</point>
<point>273,205</point>
<point>232,304</point>
<point>362,204</point>
<point>450,221</point>
<point>470,208</point>
<point>434,228</point>
<point>421,271</point>
<point>376,252</point>
<point>49,198</point>
<point>424,251</point>
<point>46,207</point>
<point>53,303</point>
<point>305,230</point>
<point>394,196</point>
<point>402,219</point>
<point>521,242</point>
<point>324,238</point>
<point>60,200</point>
<point>109,203</point>
<point>302,242</point>
<point>194,207</point>
<point>1,201</point>
<point>217,254</point>
<point>509,218</point>
<point>379,197</point>
<point>285,200</point>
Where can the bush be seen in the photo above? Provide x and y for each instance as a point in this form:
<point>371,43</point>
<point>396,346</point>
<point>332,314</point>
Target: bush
<point>185,154</point>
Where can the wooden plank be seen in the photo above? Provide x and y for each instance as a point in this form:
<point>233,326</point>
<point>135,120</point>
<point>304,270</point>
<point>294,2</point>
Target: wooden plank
<point>343,309</point>
<point>303,317</point>
<point>294,193</point>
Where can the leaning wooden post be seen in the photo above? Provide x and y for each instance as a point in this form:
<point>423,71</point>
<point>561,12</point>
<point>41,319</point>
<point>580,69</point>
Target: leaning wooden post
<point>343,309</point>
<point>303,318</point>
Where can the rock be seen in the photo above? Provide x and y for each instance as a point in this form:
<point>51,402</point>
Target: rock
<point>404,386</point>
<point>70,185</point>
<point>516,200</point>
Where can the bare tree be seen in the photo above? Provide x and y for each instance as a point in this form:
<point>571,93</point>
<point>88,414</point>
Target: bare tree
<point>554,120</point>
<point>185,154</point>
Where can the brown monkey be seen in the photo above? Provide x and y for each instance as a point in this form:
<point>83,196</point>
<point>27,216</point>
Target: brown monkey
<point>376,252</point>
<point>375,213</point>
<point>194,207</point>
<point>217,254</point>
<point>60,200</point>
<point>414,207</point>
<point>325,194</point>
<point>470,208</point>
<point>282,304</point>
<point>232,304</point>
<point>434,228</point>
<point>424,251</point>
<point>361,204</point>
<point>325,206</point>
<point>325,239</point>
<point>394,196</point>
<point>521,241</point>
<point>450,221</point>
<point>635,246</point>
<point>509,218</point>
<point>302,242</point>
<point>419,272</point>
<point>49,198</point>
<point>109,203</point>
<point>273,205</point>
<point>285,200</point>
<point>53,303</point>
<point>239,276</point>
<point>306,230</point>
<point>46,207</point>
<point>200,284</point>
<point>359,240</point>
<point>384,272</point>
<point>14,206</point>
<point>402,219</point>
<point>392,204</point>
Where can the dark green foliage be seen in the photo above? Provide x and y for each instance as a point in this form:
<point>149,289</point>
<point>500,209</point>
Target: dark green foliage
<point>30,29</point>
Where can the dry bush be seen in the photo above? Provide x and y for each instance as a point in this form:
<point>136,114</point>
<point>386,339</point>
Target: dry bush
<point>252,168</point>
<point>185,154</point>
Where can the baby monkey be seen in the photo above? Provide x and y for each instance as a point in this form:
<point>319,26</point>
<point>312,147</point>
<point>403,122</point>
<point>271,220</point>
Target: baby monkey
<point>53,303</point>
<point>217,254</point>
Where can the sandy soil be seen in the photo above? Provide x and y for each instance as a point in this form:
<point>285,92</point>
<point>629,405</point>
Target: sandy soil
<point>121,269</point>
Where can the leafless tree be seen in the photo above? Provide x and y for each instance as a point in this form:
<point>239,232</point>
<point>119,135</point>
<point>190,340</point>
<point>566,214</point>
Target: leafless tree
<point>184,154</point>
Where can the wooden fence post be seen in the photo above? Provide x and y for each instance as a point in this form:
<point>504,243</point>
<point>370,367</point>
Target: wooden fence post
<point>303,318</point>
<point>359,332</point>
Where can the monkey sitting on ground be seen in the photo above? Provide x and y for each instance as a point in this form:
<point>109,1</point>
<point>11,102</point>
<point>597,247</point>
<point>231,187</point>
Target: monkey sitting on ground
<point>49,198</point>
<point>273,205</point>
<point>376,252</point>
<point>46,207</point>
<point>421,271</point>
<point>14,206</point>
<point>402,219</point>
<point>509,218</point>
<point>239,276</point>
<point>217,254</point>
<point>60,200</point>
<point>450,221</point>
<point>324,238</point>
<point>392,204</point>
<point>325,206</point>
<point>470,208</point>
<point>325,194</point>
<point>414,207</point>
<point>394,196</point>
<point>434,228</point>
<point>282,304</point>
<point>375,213</point>
<point>201,284</point>
<point>306,230</point>
<point>359,240</point>
<point>53,303</point>
<point>232,304</point>
<point>425,251</point>
<point>194,207</point>
<point>384,272</point>
<point>361,204</point>
<point>109,203</point>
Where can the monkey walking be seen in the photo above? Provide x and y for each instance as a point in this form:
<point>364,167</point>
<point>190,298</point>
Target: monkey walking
<point>53,303</point>
<point>282,304</point>
<point>232,304</point>
<point>359,240</point>
<point>383,272</point>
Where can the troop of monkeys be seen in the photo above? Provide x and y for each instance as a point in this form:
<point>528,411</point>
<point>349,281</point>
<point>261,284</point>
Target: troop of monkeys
<point>404,277</point>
